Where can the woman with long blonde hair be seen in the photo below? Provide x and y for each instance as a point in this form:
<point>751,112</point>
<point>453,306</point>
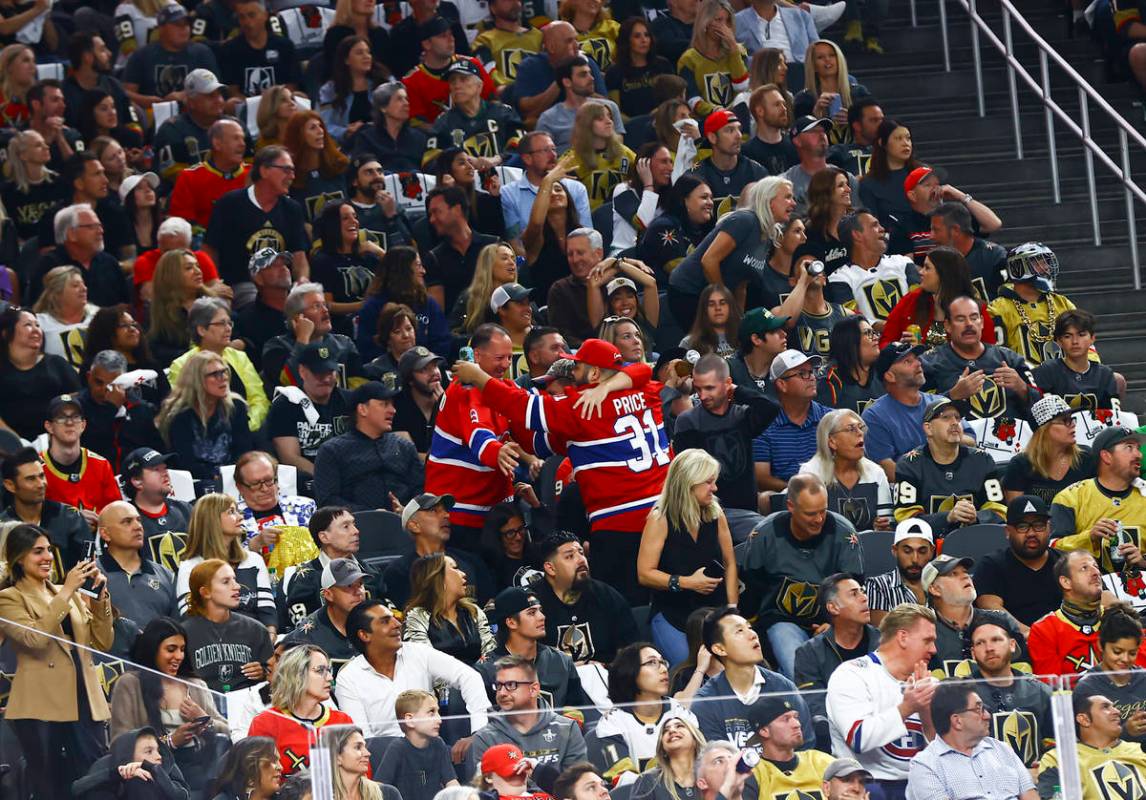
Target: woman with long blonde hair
<point>672,771</point>
<point>17,76</point>
<point>601,159</point>
<point>351,762</point>
<point>826,81</point>
<point>440,612</point>
<point>276,106</point>
<point>1052,459</point>
<point>685,538</point>
<point>29,186</point>
<point>176,285</point>
<point>65,313</point>
<point>496,264</point>
<point>596,29</point>
<point>715,60</point>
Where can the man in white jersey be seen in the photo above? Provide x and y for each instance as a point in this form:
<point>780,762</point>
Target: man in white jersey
<point>874,279</point>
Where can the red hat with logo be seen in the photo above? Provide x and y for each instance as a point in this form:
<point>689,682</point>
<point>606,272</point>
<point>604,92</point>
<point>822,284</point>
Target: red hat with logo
<point>717,120</point>
<point>597,353</point>
<point>915,177</point>
<point>502,759</point>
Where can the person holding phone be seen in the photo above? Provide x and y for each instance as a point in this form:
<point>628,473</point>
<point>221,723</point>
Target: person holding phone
<point>56,701</point>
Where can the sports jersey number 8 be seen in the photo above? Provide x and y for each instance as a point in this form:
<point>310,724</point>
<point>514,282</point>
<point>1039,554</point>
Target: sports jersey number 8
<point>637,429</point>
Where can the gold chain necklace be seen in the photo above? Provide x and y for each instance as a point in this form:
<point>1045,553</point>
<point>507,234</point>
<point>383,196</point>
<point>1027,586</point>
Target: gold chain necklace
<point>1035,337</point>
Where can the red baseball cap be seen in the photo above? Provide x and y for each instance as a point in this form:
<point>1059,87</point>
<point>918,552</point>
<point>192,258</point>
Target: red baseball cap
<point>501,759</point>
<point>597,353</point>
<point>717,120</point>
<point>915,176</point>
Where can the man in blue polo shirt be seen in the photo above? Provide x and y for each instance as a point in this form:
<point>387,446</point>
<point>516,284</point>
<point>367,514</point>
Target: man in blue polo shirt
<point>539,157</point>
<point>791,438</point>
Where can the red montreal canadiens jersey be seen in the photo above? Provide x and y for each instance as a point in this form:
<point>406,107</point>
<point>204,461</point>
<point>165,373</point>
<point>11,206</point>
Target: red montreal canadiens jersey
<point>619,459</point>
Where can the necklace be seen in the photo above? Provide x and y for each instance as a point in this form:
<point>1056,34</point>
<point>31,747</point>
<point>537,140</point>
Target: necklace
<point>1036,336</point>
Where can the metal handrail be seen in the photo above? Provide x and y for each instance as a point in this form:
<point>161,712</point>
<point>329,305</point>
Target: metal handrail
<point>1052,110</point>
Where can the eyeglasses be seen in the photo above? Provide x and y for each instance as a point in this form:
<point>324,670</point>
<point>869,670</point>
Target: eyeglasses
<point>510,686</point>
<point>90,225</point>
<point>284,167</point>
<point>550,149</point>
<point>70,419</point>
<point>853,429</point>
<point>871,334</point>
<point>515,532</point>
<point>1026,527</point>
<point>1070,421</point>
<point>805,374</point>
<point>976,709</point>
<point>216,374</point>
<point>323,670</point>
<point>656,663</point>
<point>266,483</point>
<point>226,323</point>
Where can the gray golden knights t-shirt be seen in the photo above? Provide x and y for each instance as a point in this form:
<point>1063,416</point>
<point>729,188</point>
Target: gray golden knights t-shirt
<point>218,651</point>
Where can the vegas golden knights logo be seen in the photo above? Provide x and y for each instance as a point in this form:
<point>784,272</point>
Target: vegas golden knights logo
<point>718,87</point>
<point>315,204</point>
<point>882,297</point>
<point>509,60</point>
<point>1045,349</point>
<point>1020,730</point>
<point>798,598</point>
<point>724,205</point>
<point>598,48</point>
<point>798,795</point>
<point>814,340</point>
<point>167,549</point>
<point>989,401</point>
<point>266,236</point>
<point>602,181</point>
<point>1117,780</point>
<point>1081,402</point>
<point>943,503</point>
<point>980,287</point>
<point>109,673</point>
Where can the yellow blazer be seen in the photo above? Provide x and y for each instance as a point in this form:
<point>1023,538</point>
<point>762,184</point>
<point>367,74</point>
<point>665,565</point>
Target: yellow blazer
<point>44,685</point>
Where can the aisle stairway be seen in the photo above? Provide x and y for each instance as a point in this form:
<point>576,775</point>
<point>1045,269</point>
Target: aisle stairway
<point>979,154</point>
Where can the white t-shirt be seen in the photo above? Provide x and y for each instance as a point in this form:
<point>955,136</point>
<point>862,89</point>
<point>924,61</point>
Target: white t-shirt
<point>66,339</point>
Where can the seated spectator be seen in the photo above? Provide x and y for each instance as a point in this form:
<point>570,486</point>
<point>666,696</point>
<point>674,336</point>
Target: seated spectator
<point>1117,676</point>
<point>308,322</point>
<point>731,640</point>
<point>300,706</point>
<point>251,770</point>
<point>64,313</point>
<point>581,781</point>
<point>30,377</point>
<point>951,226</point>
<point>762,337</point>
<point>716,323</point>
<point>30,188</point>
<point>525,721</point>
<point>521,632</point>
<point>1027,305</point>
<point>782,769</point>
<point>174,233</point>
<point>416,408</point>
<point>351,763</point>
<point>586,618</point>
<point>67,530</point>
<point>402,279</point>
<point>1097,724</point>
<point>274,522</point>
<point>716,774</point>
<point>259,322</point>
<point>141,589</point>
<point>1074,374</point>
<point>320,169</point>
<point>513,311</point>
<point>685,214</point>
<point>216,532</point>
<point>877,281</point>
<point>302,418</point>
<point>121,418</point>
<point>336,536</point>
<point>147,484</point>
<point>441,614</point>
<point>55,700</point>
<point>506,773</point>
<point>851,381</point>
<point>943,276</point>
<point>134,766</point>
<point>389,136</point>
<point>378,212</point>
<point>790,554</point>
<point>686,558</point>
<point>857,487</point>
<point>635,64</point>
<point>452,263</point>
<point>829,201</point>
<point>870,707</point>
<point>345,102</point>
<point>78,234</point>
<point>386,666</point>
<point>816,316</point>
<point>345,264</point>
<point>537,87</point>
<point>396,333</point>
<point>489,128</point>
<point>116,328</point>
<point>673,767</point>
<point>637,197</point>
<point>204,422</point>
<point>1052,459</point>
<point>76,476</point>
<point>209,320</point>
<point>166,695</point>
<point>350,474</point>
<point>569,310</point>
<point>790,440</point>
<point>175,286</point>
<point>912,235</point>
<point>506,545</point>
<point>1019,578</point>
<point>457,165</point>
<point>962,726</point>
<point>895,420</point>
<point>726,170</point>
<point>418,766</point>
<point>849,635</point>
<point>222,170</point>
<point>771,147</point>
<point>972,494</point>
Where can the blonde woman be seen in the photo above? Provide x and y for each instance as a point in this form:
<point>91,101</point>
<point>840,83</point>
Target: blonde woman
<point>64,313</point>
<point>210,323</point>
<point>601,160</point>
<point>672,771</point>
<point>441,614</point>
<point>828,89</point>
<point>1052,459</point>
<point>857,486</point>
<point>496,264</point>
<point>596,29</point>
<point>686,551</point>
<point>29,187</point>
<point>276,107</point>
<point>216,531</point>
<point>351,762</point>
<point>300,693</point>
<point>202,420</point>
<point>176,285</point>
<point>713,66</point>
<point>17,76</point>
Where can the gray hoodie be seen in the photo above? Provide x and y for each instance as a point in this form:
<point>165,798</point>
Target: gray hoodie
<point>554,740</point>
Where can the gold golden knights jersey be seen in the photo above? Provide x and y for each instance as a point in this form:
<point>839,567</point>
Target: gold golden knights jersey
<point>930,490</point>
<point>802,783</point>
<point>600,178</point>
<point>1028,328</point>
<point>712,84</point>
<point>1116,773</point>
<point>1077,507</point>
<point>501,52</point>
<point>600,42</point>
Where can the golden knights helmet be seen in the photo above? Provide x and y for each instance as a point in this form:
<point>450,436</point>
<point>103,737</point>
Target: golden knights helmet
<point>1034,262</point>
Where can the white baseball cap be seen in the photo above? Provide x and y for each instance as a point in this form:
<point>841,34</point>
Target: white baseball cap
<point>790,359</point>
<point>913,528</point>
<point>131,181</point>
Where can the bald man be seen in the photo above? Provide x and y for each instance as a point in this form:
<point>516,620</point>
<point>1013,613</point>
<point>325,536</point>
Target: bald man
<point>536,87</point>
<point>140,588</point>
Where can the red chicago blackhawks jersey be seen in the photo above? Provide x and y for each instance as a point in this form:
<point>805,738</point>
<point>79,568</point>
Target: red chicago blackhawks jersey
<point>430,92</point>
<point>294,737</point>
<point>1059,647</point>
<point>91,486</point>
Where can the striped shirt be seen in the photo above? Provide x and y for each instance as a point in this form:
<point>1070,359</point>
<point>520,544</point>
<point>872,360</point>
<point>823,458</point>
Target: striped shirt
<point>886,591</point>
<point>992,771</point>
<point>785,445</point>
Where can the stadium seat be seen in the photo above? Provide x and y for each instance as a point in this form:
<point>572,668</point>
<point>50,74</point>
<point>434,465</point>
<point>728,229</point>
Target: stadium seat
<point>378,745</point>
<point>876,547</point>
<point>975,541</point>
<point>183,485</point>
<point>642,614</point>
<point>382,534</point>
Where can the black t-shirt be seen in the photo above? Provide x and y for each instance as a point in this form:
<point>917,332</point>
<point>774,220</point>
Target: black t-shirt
<point>1090,390</point>
<point>159,72</point>
<point>451,270</point>
<point>24,399</point>
<point>255,70</point>
<point>826,248</point>
<point>287,419</point>
<point>318,190</point>
<point>777,158</point>
<point>1026,593</point>
<point>26,209</point>
<point>346,277</point>
<point>410,419</point>
<point>417,773</point>
<point>239,227</point>
<point>107,285</point>
<point>1021,477</point>
<point>727,186</point>
<point>258,323</point>
<point>634,86</point>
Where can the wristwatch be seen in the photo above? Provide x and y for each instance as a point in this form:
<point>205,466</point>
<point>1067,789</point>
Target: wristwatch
<point>674,583</point>
<point>967,199</point>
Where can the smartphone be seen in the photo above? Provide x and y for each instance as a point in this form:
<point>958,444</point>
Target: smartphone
<point>90,552</point>
<point>716,567</point>
<point>202,722</point>
<point>835,106</point>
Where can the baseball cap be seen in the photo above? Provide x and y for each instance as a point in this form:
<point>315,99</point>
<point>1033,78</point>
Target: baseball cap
<point>463,66</point>
<point>172,12</point>
<point>416,358</point>
<point>61,402</point>
<point>1049,408</point>
<point>512,601</point>
<point>142,458</point>
<point>1111,437</point>
<point>987,616</point>
<point>938,407</point>
<point>916,176</point>
<point>790,359</point>
<point>807,123</point>
<point>913,528</point>
<point>434,27</point>
<point>893,353</point>
<point>1026,505</point>
<point>341,572</point>
<point>717,120</point>
<point>845,768</point>
<point>424,502</point>
<point>763,712</point>
<point>561,369</point>
<point>505,293</point>
<point>131,181</point>
<point>502,760</point>
<point>384,389</point>
<point>201,81</point>
<point>943,565</point>
<point>597,353</point>
<point>619,283</point>
<point>759,321</point>
<point>318,358</point>
<point>264,258</point>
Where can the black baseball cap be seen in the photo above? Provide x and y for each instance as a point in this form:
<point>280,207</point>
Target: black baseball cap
<point>938,407</point>
<point>60,402</point>
<point>1112,437</point>
<point>434,27</point>
<point>142,458</point>
<point>376,390</point>
<point>893,353</point>
<point>463,66</point>
<point>1026,505</point>
<point>318,358</point>
<point>416,358</point>
<point>808,122</point>
<point>764,712</point>
<point>511,602</point>
<point>986,616</point>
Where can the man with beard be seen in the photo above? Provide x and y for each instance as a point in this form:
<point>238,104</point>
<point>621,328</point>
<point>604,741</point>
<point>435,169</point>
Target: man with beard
<point>727,171</point>
<point>726,421</point>
<point>810,136</point>
<point>183,141</point>
<point>772,146</point>
<point>1106,763</point>
<point>147,484</point>
<point>302,418</point>
<point>864,118</point>
<point>585,618</point>
<point>90,59</point>
<point>913,547</point>
<point>378,212</point>
<point>502,45</point>
<point>1065,641</point>
<point>924,192</point>
<point>543,345</point>
<point>1019,578</point>
<point>987,381</point>
<point>416,407</point>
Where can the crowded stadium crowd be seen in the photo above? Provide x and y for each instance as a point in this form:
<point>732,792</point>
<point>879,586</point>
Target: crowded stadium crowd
<point>557,401</point>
